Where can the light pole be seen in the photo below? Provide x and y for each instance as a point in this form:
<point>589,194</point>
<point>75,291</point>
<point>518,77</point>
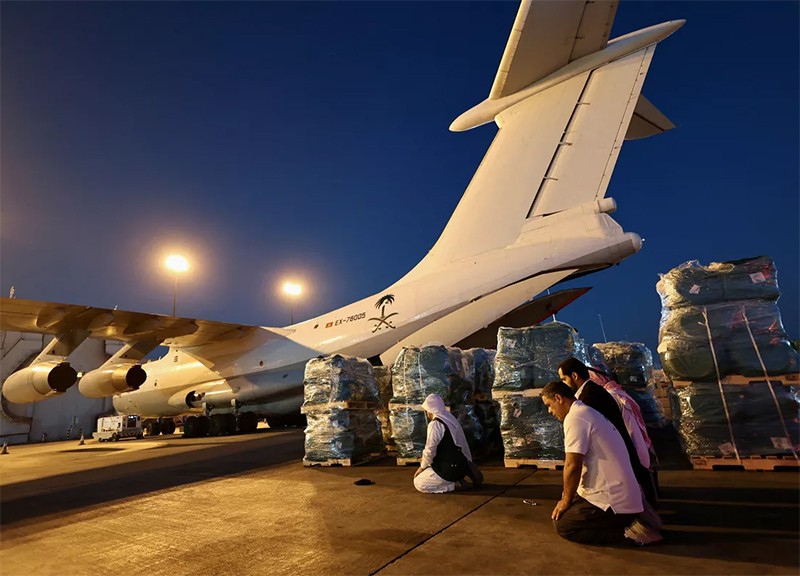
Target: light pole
<point>292,291</point>
<point>178,265</point>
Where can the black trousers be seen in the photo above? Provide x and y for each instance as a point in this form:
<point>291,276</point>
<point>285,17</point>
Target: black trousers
<point>585,523</point>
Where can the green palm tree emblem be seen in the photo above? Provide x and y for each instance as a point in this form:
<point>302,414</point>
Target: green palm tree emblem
<point>383,301</point>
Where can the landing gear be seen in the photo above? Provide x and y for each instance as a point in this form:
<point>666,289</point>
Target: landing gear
<point>195,427</point>
<point>168,427</point>
<point>222,425</point>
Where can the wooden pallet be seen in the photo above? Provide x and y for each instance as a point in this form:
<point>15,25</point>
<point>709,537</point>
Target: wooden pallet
<point>344,405</point>
<point>343,461</point>
<point>737,379</point>
<point>531,392</point>
<point>767,463</point>
<point>543,464</point>
<point>408,461</point>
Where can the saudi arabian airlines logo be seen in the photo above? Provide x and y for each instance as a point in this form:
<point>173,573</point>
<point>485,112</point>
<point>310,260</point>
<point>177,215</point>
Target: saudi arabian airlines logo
<point>382,303</point>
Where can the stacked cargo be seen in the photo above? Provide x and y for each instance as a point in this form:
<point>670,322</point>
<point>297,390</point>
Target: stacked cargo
<point>383,378</point>
<point>418,372</point>
<point>527,359</point>
<point>341,397</point>
<point>722,342</point>
<point>631,364</point>
<point>479,368</point>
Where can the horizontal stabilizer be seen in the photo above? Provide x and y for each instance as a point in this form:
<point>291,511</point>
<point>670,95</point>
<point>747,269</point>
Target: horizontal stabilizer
<point>547,35</point>
<point>647,121</point>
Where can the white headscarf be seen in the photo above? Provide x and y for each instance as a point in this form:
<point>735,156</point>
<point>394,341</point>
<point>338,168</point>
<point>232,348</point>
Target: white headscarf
<point>435,405</point>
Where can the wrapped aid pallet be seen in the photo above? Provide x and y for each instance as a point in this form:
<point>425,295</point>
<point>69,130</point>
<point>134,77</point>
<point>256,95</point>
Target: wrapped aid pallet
<point>631,363</point>
<point>722,342</point>
<point>341,398</point>
<point>527,359</point>
<point>418,372</point>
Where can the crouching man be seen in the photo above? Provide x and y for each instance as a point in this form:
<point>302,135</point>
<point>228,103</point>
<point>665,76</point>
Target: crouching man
<point>601,497</point>
<point>446,459</point>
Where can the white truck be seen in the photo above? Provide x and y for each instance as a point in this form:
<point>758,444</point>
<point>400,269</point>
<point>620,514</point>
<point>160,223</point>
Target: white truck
<point>116,427</point>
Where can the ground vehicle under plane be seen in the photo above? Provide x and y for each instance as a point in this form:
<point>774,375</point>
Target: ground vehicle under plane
<point>535,214</point>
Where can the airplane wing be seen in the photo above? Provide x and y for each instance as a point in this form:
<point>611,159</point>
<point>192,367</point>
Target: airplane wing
<point>53,318</point>
<point>548,35</point>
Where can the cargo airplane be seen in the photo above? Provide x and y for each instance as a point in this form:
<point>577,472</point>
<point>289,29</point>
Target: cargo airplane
<point>534,214</point>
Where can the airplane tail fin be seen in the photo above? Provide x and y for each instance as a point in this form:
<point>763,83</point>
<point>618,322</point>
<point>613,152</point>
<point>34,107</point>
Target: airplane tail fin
<point>554,150</point>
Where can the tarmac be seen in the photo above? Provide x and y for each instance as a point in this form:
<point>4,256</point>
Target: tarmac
<point>246,505</point>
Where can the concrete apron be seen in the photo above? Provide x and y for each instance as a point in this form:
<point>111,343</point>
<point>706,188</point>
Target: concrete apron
<point>258,511</point>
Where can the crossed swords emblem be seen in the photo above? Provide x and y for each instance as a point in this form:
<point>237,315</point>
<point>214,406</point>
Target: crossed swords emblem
<point>382,302</point>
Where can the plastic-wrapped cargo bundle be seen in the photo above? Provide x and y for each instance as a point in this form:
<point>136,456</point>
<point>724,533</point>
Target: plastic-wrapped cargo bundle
<point>631,362</point>
<point>529,357</point>
<point>651,408</point>
<point>339,378</point>
<point>687,334</point>
<point>473,431</point>
<point>409,430</point>
<point>759,429</point>
<point>383,380</point>
<point>338,433</point>
<point>528,430</point>
<point>488,412</point>
<point>479,365</point>
<point>692,284</point>
<point>418,372</point>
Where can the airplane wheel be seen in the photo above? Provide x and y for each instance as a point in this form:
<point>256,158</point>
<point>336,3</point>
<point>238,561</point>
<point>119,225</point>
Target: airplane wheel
<point>168,427</point>
<point>216,425</point>
<point>153,429</point>
<point>203,423</point>
<point>114,437</point>
<point>191,429</point>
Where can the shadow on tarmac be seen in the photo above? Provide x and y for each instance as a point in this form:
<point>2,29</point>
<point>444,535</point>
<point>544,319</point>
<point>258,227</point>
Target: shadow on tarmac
<point>62,493</point>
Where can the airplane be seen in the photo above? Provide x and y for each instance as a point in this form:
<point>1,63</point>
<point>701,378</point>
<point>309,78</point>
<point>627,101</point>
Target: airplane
<point>535,214</point>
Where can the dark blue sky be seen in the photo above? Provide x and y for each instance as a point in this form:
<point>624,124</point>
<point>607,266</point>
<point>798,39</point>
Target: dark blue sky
<point>312,138</point>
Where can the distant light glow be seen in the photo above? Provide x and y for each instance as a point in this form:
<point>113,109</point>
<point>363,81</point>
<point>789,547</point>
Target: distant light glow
<point>292,289</point>
<point>177,263</point>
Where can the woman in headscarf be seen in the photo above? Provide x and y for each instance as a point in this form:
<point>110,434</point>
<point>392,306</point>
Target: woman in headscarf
<point>446,459</point>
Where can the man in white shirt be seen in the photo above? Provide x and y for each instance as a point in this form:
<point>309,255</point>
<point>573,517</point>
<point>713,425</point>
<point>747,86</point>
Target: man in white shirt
<point>601,497</point>
<point>446,459</point>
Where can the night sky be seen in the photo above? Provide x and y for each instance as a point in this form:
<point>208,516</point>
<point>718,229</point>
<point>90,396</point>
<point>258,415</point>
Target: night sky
<point>266,140</point>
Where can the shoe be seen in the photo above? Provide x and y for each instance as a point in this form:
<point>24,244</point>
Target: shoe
<point>641,535</point>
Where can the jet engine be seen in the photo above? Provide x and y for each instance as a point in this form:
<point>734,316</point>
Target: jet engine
<point>109,380</point>
<point>39,381</point>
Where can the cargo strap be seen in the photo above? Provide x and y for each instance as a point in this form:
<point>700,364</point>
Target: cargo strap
<point>769,384</point>
<point>719,383</point>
